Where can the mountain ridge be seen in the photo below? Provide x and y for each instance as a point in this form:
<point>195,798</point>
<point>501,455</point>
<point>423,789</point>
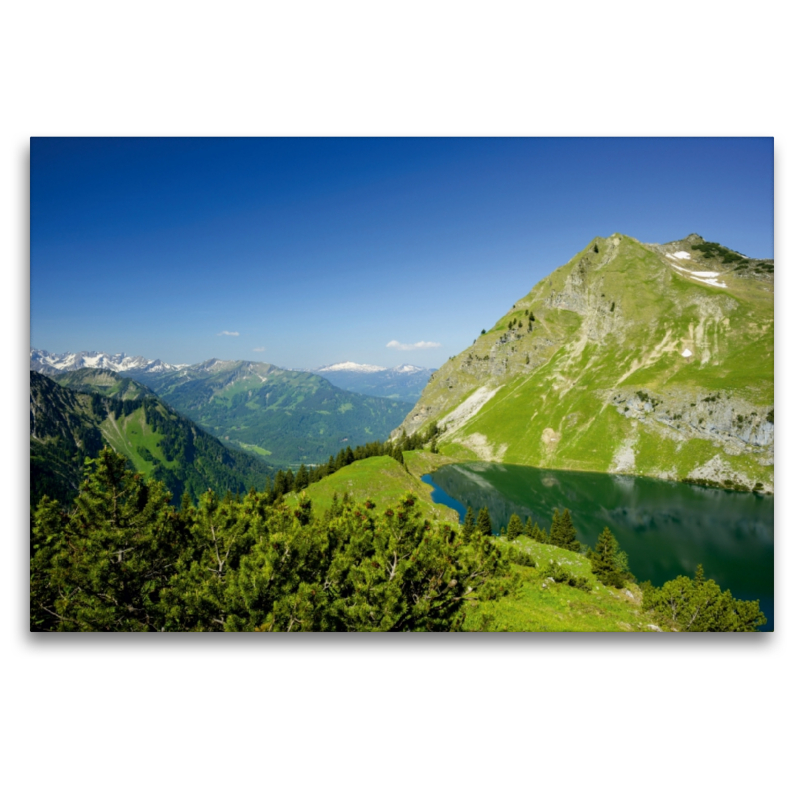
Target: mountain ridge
<point>641,359</point>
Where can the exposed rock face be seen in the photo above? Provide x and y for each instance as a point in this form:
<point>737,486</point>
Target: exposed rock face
<point>729,421</point>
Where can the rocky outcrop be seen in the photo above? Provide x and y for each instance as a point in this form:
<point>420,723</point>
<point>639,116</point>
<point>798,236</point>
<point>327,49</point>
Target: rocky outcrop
<point>720,417</point>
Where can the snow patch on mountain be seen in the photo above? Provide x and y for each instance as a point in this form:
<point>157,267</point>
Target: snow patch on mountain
<point>350,366</point>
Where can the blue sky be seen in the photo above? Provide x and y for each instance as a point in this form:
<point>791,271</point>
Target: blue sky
<point>314,251</point>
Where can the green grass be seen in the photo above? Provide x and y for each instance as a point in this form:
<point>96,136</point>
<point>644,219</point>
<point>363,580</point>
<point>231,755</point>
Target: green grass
<point>540,605</point>
<point>127,434</point>
<point>254,448</point>
<point>380,479</point>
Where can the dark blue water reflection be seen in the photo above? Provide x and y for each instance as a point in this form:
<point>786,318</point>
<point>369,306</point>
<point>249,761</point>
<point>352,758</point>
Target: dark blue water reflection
<point>666,528</point>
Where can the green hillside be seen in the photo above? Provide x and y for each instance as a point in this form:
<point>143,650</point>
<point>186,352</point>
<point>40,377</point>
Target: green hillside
<point>104,382</point>
<point>66,427</point>
<point>284,416</point>
<point>641,359</point>
<point>539,604</point>
<point>380,479</point>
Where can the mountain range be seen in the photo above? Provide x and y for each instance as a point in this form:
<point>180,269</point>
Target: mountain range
<point>285,417</point>
<point>632,358</point>
<point>53,364</point>
<point>404,382</point>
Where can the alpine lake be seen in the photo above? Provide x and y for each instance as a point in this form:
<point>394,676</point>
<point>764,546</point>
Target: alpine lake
<point>666,528</point>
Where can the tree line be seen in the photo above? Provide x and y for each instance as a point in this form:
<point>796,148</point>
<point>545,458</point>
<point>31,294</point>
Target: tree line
<point>286,481</point>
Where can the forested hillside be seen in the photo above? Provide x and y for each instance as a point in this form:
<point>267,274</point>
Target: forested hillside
<point>286,417</point>
<point>66,427</point>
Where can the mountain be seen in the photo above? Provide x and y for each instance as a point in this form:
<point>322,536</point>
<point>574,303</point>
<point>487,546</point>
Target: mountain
<point>104,382</point>
<point>286,416</point>
<point>67,426</point>
<point>633,358</point>
<point>404,382</point>
<point>50,364</point>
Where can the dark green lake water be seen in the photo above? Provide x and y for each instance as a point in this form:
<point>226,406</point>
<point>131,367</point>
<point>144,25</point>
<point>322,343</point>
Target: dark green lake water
<point>666,528</point>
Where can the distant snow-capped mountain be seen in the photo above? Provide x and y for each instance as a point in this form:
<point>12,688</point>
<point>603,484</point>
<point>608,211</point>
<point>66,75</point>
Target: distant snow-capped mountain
<point>53,363</point>
<point>403,382</point>
<point>351,366</point>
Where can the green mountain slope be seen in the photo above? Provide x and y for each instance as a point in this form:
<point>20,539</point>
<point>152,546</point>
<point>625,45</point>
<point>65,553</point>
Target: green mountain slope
<point>380,479</point>
<point>632,358</point>
<point>104,382</point>
<point>285,416</point>
<point>67,426</point>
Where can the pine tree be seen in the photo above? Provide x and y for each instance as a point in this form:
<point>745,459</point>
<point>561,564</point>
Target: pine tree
<point>604,560</point>
<point>115,553</point>
<point>484,523</point>
<point>339,463</point>
<point>301,479</point>
<point>468,528</point>
<point>699,576</point>
<point>555,527</point>
<point>515,528</point>
<point>538,534</point>
<point>563,533</point>
<point>529,528</point>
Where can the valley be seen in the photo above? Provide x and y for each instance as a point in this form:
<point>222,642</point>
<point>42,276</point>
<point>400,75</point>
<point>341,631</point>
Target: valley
<point>631,363</point>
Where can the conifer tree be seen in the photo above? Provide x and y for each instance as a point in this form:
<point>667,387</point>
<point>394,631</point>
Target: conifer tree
<point>563,533</point>
<point>604,560</point>
<point>555,527</point>
<point>339,463</point>
<point>116,553</point>
<point>468,528</point>
<point>529,527</point>
<point>484,523</point>
<point>301,479</point>
<point>515,528</point>
<point>699,576</point>
<point>538,534</point>
<point>700,605</point>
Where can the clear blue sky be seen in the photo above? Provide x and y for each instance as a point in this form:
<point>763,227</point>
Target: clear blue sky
<point>315,251</point>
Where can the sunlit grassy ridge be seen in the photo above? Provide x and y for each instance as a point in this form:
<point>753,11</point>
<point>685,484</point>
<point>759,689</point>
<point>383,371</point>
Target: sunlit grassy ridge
<point>380,479</point>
